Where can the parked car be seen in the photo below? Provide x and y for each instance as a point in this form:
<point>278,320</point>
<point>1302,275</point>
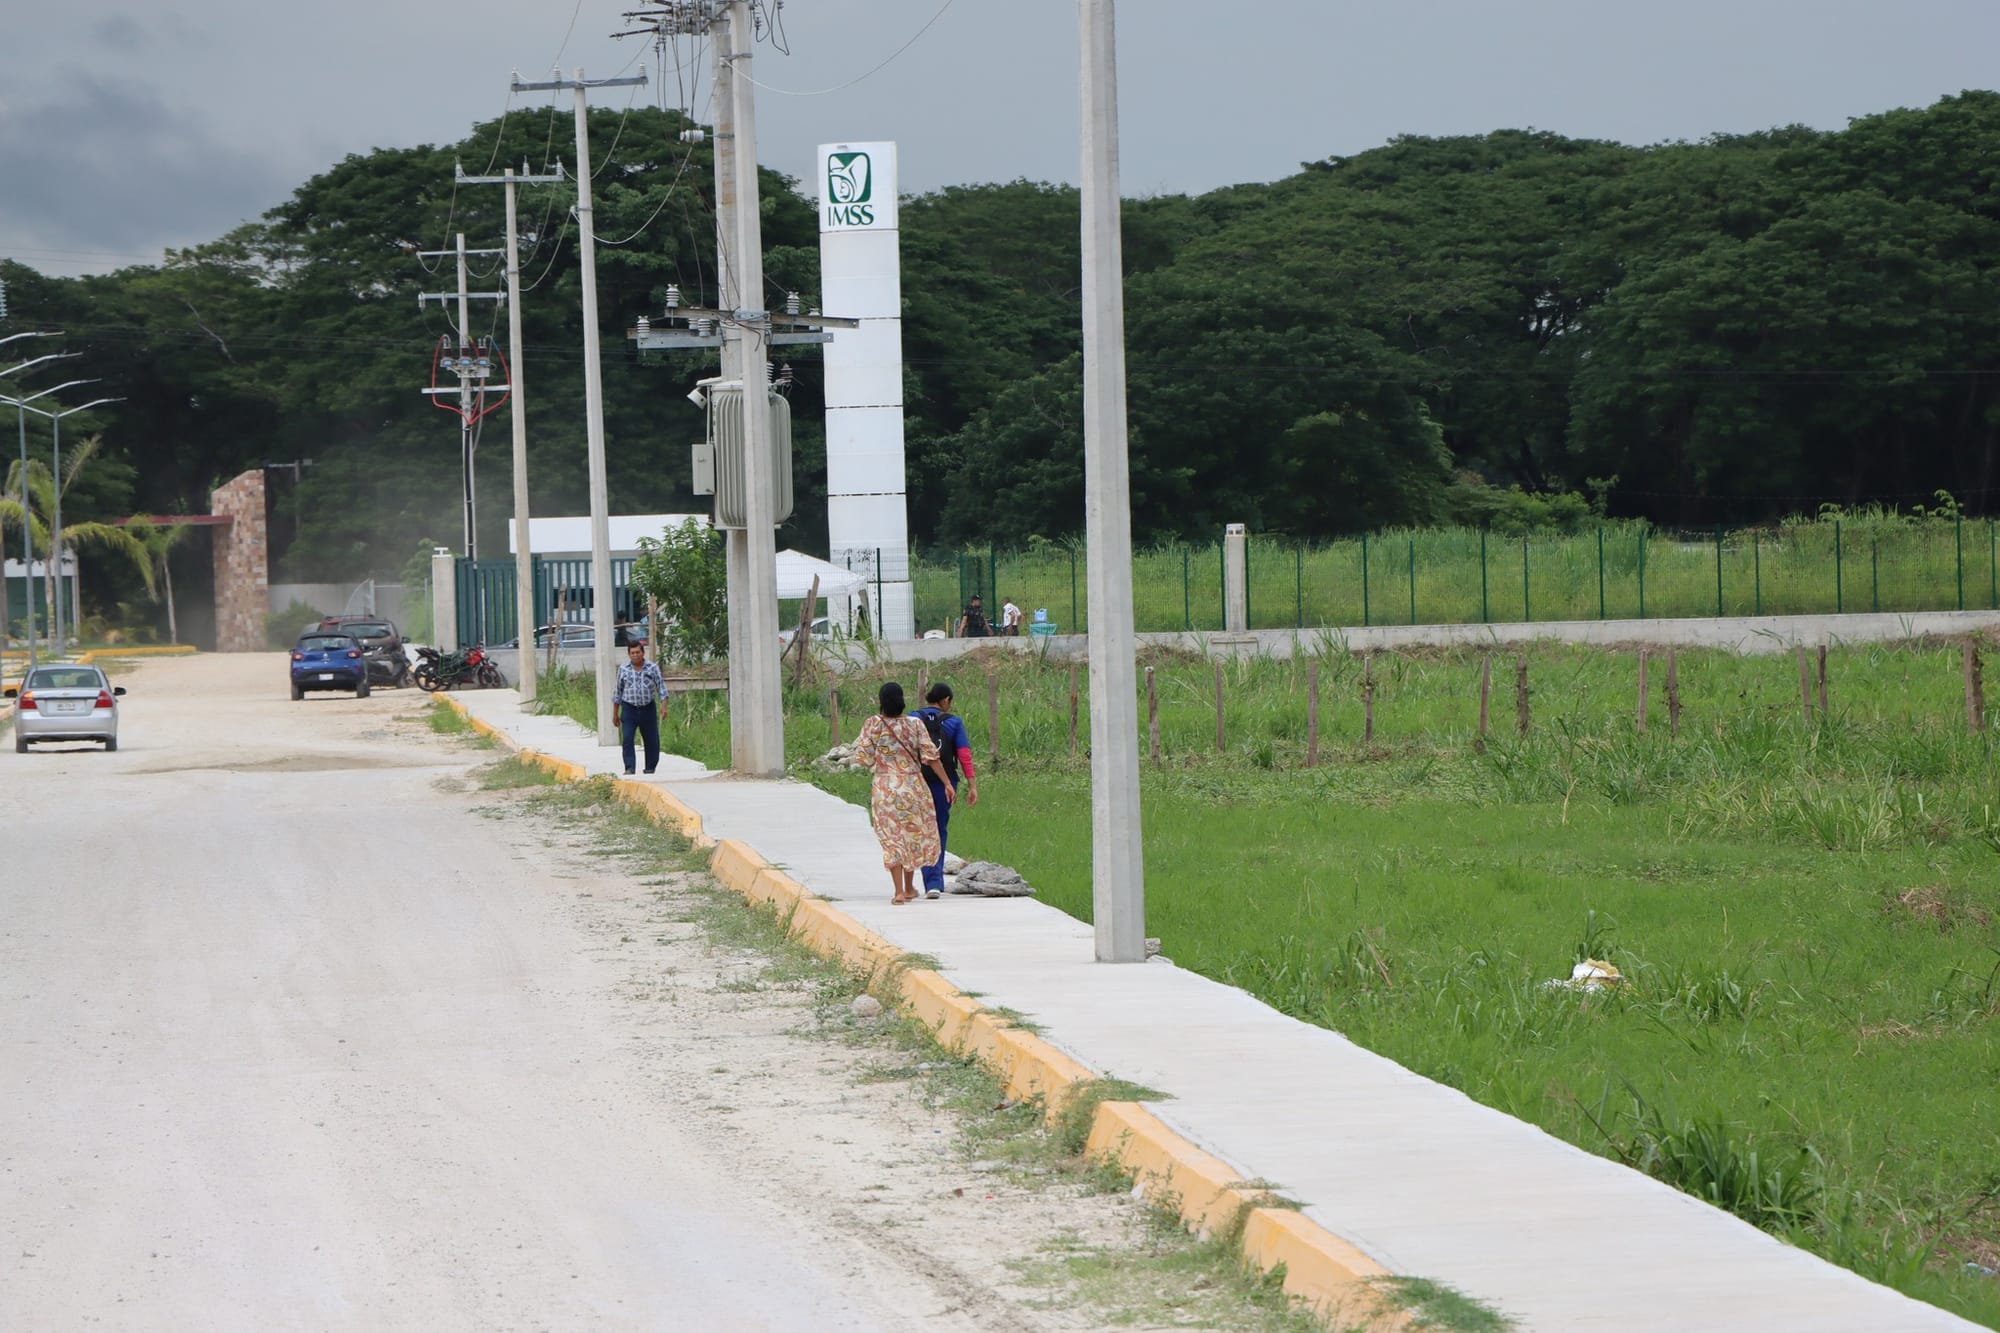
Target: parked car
<point>328,661</point>
<point>821,628</point>
<point>65,703</point>
<point>381,646</point>
<point>583,636</point>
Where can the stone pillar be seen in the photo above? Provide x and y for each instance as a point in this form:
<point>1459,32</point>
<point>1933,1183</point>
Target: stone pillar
<point>242,564</point>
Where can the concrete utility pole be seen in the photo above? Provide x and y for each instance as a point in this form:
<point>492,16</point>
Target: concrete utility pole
<point>757,721</point>
<point>1117,860</point>
<point>524,560</point>
<point>602,596</point>
<point>472,371</point>
<point>743,331</point>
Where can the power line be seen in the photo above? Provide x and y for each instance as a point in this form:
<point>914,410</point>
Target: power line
<point>861,78</point>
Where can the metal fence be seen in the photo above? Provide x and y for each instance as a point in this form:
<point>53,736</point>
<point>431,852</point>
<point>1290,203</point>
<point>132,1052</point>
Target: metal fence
<point>486,612</point>
<point>1472,576</point>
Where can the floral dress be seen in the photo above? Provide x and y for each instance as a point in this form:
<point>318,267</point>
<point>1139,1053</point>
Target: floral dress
<point>905,819</point>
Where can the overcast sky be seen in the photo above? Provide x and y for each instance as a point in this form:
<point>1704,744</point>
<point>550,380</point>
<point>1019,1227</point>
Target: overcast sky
<point>126,127</point>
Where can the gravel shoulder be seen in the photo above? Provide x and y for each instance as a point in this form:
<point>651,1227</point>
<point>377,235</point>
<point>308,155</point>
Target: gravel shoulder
<point>303,1030</point>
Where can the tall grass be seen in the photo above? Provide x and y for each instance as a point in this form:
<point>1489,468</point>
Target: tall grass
<point>1805,910</point>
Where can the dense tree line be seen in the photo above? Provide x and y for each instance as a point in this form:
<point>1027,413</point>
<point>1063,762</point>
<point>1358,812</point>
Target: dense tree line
<point>1718,332</point>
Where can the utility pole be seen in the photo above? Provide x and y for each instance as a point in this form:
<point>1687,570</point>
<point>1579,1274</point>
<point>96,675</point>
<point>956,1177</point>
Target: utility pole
<point>743,332</point>
<point>472,367</point>
<point>602,595</point>
<point>524,560</point>
<point>1117,860</point>
<point>757,720</point>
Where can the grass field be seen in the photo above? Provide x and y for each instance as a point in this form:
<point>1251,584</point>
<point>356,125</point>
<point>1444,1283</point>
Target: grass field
<point>1443,576</point>
<point>1806,912</point>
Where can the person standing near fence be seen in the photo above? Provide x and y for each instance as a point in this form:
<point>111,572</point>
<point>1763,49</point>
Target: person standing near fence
<point>635,705</point>
<point>973,623</point>
<point>954,747</point>
<point>1010,618</point>
<point>897,750</point>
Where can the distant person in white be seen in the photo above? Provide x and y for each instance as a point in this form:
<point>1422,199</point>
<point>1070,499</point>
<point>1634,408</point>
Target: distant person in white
<point>1010,618</point>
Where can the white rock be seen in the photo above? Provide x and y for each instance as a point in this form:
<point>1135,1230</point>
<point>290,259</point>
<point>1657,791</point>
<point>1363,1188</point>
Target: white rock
<point>866,1006</point>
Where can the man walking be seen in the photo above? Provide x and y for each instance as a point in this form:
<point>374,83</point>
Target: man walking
<point>955,751</point>
<point>635,705</point>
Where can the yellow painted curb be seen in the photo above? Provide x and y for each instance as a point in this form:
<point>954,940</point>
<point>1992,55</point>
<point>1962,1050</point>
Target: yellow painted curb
<point>1322,1270</point>
<point>1325,1272</point>
<point>561,769</point>
<point>153,650</point>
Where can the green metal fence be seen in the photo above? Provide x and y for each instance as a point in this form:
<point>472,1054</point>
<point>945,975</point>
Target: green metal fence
<point>1470,576</point>
<point>485,591</point>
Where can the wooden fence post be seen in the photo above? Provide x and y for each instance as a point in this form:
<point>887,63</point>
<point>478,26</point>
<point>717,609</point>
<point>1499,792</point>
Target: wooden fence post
<point>1523,719</point>
<point>1673,694</point>
<point>1312,714</point>
<point>833,716</point>
<point>1072,708</point>
<point>1822,684</point>
<point>1221,739</point>
<point>1642,691</point>
<point>1368,698</point>
<point>1152,715</point>
<point>1805,687</point>
<point>992,722</point>
<point>1975,687</point>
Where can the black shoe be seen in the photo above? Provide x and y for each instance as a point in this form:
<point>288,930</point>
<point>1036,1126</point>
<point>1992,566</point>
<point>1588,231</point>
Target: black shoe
<point>628,772</point>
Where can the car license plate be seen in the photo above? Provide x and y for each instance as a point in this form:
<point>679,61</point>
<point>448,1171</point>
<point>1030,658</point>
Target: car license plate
<point>67,706</point>
<point>326,675</point>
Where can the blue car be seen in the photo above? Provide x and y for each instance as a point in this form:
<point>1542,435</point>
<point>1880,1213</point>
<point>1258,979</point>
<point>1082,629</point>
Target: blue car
<point>328,662</point>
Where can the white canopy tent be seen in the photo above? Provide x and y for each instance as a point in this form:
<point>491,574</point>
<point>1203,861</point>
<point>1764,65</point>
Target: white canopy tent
<point>795,575</point>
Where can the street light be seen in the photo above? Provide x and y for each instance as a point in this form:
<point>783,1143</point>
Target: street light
<point>21,424</point>
<point>55,472</point>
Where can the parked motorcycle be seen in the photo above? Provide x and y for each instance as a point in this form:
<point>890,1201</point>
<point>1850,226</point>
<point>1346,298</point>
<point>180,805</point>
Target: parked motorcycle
<point>441,671</point>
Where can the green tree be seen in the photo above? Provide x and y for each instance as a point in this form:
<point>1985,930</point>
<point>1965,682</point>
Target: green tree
<point>685,575</point>
<point>43,488</point>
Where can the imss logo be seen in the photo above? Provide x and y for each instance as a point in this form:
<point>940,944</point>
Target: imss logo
<point>850,190</point>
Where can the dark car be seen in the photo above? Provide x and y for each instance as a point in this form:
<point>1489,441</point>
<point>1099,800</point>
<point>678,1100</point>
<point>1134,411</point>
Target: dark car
<point>381,645</point>
<point>328,661</point>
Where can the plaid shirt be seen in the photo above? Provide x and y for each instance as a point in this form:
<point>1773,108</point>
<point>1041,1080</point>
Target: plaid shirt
<point>637,688</point>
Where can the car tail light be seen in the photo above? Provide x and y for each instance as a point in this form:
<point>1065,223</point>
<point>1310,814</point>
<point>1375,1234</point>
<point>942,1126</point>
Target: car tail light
<point>298,657</point>
<point>354,652</point>
<point>104,699</point>
<point>27,702</point>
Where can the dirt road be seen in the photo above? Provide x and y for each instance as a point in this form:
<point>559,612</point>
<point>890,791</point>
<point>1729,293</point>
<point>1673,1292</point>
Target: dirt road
<point>292,1037</point>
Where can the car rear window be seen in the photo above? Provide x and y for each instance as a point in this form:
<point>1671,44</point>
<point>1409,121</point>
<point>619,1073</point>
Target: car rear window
<point>325,643</point>
<point>370,630</point>
<point>65,678</point>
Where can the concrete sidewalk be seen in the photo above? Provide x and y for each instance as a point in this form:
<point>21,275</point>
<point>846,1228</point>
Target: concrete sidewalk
<point>1416,1175</point>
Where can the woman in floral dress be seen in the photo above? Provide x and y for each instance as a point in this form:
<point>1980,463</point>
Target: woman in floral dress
<point>897,749</point>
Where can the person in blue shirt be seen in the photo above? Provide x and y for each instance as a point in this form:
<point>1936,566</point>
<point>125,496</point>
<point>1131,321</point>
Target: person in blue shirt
<point>955,749</point>
<point>635,706</point>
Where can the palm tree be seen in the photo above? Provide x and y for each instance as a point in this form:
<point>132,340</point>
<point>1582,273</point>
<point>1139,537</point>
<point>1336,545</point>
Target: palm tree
<point>159,541</point>
<point>42,492</point>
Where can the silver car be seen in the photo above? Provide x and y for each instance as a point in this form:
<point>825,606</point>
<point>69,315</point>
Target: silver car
<point>65,703</point>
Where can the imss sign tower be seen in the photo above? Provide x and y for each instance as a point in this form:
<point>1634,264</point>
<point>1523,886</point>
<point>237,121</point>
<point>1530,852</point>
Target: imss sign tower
<point>867,510</point>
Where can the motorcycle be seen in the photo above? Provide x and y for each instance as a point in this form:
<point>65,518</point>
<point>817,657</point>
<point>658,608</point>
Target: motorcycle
<point>441,671</point>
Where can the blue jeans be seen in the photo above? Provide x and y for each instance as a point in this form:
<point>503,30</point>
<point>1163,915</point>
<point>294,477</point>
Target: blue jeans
<point>645,719</point>
<point>934,874</point>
